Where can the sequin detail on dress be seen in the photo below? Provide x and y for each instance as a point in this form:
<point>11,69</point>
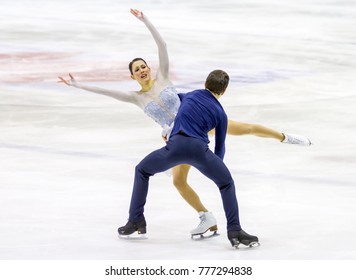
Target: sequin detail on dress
<point>164,108</point>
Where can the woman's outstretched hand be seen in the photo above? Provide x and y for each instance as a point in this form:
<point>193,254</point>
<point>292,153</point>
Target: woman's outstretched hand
<point>137,13</point>
<point>68,82</point>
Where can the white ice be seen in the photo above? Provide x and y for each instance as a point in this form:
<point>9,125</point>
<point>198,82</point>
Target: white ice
<point>67,156</point>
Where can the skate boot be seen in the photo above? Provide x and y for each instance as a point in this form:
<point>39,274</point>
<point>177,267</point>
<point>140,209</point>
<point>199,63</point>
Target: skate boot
<point>131,227</point>
<point>296,139</point>
<point>207,222</point>
<point>240,237</point>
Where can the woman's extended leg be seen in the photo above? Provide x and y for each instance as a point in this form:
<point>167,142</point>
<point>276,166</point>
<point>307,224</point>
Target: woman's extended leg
<point>239,128</point>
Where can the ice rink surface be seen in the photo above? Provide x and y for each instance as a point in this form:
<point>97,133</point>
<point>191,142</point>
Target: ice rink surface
<point>67,156</point>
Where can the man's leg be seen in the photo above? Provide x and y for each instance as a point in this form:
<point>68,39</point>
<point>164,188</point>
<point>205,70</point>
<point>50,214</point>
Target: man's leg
<point>149,166</point>
<point>214,168</point>
<point>157,161</point>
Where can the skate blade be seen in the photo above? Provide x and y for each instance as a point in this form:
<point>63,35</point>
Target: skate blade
<point>134,236</point>
<point>236,244</point>
<point>201,236</point>
<point>254,244</point>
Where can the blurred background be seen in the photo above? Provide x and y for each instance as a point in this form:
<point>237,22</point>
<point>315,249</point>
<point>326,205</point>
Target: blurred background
<point>67,156</point>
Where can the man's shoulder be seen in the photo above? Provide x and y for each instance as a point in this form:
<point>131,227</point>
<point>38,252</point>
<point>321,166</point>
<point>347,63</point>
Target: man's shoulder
<point>196,93</point>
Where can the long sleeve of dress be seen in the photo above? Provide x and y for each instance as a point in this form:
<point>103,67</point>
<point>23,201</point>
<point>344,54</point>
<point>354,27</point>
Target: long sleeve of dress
<point>117,94</point>
<point>162,48</point>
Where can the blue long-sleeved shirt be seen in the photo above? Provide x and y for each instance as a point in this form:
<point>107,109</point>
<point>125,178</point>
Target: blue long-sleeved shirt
<point>199,113</point>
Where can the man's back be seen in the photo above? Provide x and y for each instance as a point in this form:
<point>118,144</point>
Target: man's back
<point>199,113</point>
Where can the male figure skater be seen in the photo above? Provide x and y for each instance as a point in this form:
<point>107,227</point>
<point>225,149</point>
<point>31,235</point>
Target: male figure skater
<point>199,112</point>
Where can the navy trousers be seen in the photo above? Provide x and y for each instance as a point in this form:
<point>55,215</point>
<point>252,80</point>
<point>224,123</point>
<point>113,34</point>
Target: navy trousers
<point>178,150</point>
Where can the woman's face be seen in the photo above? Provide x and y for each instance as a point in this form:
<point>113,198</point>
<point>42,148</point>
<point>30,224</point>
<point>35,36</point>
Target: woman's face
<point>141,72</point>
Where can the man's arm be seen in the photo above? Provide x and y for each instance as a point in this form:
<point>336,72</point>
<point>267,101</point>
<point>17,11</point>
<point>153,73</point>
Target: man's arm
<point>220,135</point>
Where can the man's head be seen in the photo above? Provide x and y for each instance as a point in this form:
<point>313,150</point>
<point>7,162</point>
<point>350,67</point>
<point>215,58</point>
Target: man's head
<point>217,82</point>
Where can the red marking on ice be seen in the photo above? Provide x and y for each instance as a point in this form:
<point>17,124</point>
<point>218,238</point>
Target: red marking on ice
<point>30,56</point>
<point>25,67</point>
<point>29,67</point>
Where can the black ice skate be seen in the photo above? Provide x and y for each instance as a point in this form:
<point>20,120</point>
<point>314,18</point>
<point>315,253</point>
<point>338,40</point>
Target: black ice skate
<point>240,237</point>
<point>131,228</point>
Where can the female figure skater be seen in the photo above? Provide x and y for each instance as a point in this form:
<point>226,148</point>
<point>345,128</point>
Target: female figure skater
<point>158,98</point>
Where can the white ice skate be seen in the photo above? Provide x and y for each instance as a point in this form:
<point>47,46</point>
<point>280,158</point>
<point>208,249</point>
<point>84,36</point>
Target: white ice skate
<point>207,222</point>
<point>296,139</point>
